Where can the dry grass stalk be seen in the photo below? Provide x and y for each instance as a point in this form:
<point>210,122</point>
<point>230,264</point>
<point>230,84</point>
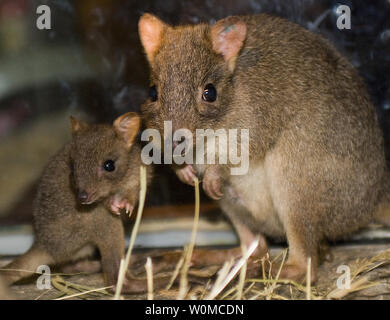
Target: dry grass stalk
<point>369,264</point>
<point>308,279</point>
<point>252,292</point>
<point>83,293</point>
<point>149,274</point>
<point>68,288</point>
<point>206,287</point>
<point>61,286</point>
<point>229,294</point>
<point>187,259</point>
<point>241,282</point>
<point>363,266</point>
<point>177,270</point>
<point>40,273</point>
<point>222,274</point>
<point>42,294</point>
<point>272,286</point>
<point>222,280</point>
<point>124,266</point>
<point>20,270</point>
<point>294,284</point>
<point>249,288</point>
<point>360,284</point>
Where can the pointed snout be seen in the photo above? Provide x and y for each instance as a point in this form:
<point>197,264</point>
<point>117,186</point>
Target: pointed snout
<point>84,197</point>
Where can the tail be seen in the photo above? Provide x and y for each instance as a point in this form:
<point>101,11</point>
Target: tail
<point>25,265</point>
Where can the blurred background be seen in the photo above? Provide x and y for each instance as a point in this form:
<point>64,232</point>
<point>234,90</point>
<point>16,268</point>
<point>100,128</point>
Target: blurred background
<point>90,64</point>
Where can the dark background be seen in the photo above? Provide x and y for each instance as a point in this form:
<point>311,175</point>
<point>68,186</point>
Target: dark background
<point>91,64</point>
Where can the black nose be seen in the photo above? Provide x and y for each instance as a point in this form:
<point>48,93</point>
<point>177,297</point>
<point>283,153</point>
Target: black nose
<point>83,196</point>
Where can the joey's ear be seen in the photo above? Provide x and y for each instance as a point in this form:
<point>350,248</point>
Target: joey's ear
<point>228,36</point>
<point>127,126</point>
<point>77,125</point>
<point>150,30</point>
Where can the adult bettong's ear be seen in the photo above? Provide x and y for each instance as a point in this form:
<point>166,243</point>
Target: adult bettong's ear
<point>151,30</point>
<point>127,126</point>
<point>227,37</point>
<point>77,125</point>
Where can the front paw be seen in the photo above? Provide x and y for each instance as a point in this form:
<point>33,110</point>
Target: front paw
<point>186,174</point>
<point>117,204</point>
<point>212,183</point>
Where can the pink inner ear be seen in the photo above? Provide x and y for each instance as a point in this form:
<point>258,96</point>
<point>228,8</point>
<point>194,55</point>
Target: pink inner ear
<point>228,38</point>
<point>150,30</point>
<point>127,126</point>
<point>150,37</point>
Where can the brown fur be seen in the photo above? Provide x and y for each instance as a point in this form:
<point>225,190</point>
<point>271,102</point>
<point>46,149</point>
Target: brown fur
<point>66,229</point>
<point>317,165</point>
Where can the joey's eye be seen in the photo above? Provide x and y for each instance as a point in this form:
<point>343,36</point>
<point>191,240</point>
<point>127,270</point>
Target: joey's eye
<point>209,93</point>
<point>153,93</point>
<point>109,165</point>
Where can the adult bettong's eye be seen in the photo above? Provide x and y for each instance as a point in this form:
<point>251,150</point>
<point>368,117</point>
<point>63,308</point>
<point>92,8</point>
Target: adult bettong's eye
<point>153,93</point>
<point>209,93</point>
<point>109,165</point>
